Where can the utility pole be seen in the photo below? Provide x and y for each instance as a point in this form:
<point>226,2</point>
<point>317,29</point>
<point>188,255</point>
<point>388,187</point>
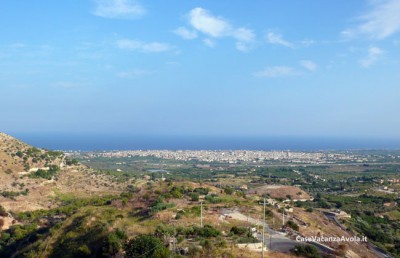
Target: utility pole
<point>201,214</point>
<point>283,216</point>
<point>263,231</point>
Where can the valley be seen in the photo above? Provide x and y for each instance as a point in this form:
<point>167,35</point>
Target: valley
<point>97,204</point>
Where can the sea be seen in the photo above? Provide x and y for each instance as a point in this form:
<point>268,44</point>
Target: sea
<point>103,142</point>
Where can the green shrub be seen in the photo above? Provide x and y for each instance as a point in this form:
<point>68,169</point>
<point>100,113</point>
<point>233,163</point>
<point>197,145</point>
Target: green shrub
<point>228,190</point>
<point>146,246</point>
<point>113,243</point>
<point>206,231</point>
<point>165,230</point>
<point>292,225</point>
<point>308,251</point>
<point>240,231</point>
<point>194,197</point>
<point>3,211</point>
<point>201,190</point>
<point>46,174</point>
<point>213,199</point>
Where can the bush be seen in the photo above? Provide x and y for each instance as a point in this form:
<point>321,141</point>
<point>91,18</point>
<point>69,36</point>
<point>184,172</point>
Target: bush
<point>207,231</point>
<point>71,162</point>
<point>228,190</point>
<point>194,197</point>
<point>46,174</point>
<point>165,230</point>
<point>213,199</point>
<point>114,243</point>
<point>159,206</point>
<point>308,251</point>
<point>291,224</point>
<point>3,211</point>
<point>202,190</point>
<point>146,246</point>
<point>240,231</point>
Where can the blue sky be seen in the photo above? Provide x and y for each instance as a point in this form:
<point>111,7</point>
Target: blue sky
<point>254,68</point>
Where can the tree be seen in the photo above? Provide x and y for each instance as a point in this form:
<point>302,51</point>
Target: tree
<point>146,246</point>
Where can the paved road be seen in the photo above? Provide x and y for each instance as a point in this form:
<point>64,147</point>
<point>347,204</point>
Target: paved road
<point>275,240</point>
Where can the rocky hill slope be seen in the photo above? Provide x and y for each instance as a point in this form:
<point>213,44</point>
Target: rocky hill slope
<point>32,178</point>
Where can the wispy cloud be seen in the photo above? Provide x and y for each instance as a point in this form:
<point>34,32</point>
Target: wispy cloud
<point>309,65</point>
<point>277,71</point>
<point>69,85</point>
<point>134,73</point>
<point>17,45</point>
<point>119,9</point>
<point>214,27</point>
<point>274,38</point>
<point>382,21</point>
<point>186,33</point>
<point>307,42</point>
<point>374,53</point>
<point>209,42</point>
<point>245,38</point>
<point>143,46</point>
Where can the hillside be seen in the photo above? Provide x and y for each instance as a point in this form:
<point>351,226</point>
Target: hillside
<point>32,178</point>
<point>53,206</point>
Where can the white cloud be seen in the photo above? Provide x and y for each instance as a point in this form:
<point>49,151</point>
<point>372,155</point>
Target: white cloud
<point>185,33</point>
<point>382,21</point>
<point>374,53</point>
<point>307,42</point>
<point>134,73</point>
<point>276,71</point>
<point>216,27</point>
<point>243,35</point>
<point>245,39</point>
<point>209,43</point>
<point>213,26</point>
<point>143,46</point>
<point>241,46</point>
<point>309,65</point>
<point>119,9</point>
<point>274,38</point>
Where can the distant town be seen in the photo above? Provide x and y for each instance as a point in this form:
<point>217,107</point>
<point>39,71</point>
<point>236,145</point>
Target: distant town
<point>248,156</point>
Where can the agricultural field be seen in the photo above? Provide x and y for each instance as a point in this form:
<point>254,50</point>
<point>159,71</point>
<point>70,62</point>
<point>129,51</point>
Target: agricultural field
<point>76,205</point>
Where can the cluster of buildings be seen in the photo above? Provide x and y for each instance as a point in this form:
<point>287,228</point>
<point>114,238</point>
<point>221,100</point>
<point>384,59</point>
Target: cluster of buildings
<point>237,156</point>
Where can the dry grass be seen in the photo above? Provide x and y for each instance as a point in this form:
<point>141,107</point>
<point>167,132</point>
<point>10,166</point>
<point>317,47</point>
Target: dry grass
<point>321,226</point>
<point>280,191</point>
